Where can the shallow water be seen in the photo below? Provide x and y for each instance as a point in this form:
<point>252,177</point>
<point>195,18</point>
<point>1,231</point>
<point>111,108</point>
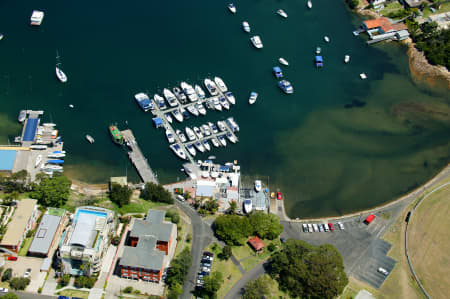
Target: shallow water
<point>326,159</point>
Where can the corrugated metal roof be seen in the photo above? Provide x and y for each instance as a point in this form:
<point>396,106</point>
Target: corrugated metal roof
<point>45,234</point>
<point>160,231</point>
<point>84,232</point>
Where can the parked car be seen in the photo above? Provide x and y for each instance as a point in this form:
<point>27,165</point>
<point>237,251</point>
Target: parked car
<point>180,197</point>
<point>12,258</point>
<point>310,228</point>
<point>279,195</point>
<point>315,227</point>
<point>383,271</point>
<point>206,269</point>
<point>320,228</point>
<point>330,225</point>
<point>305,227</point>
<point>27,273</point>
<point>341,225</point>
<point>63,297</point>
<point>3,290</point>
<point>325,227</point>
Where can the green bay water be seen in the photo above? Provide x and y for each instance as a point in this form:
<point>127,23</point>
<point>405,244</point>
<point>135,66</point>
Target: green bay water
<point>326,159</point>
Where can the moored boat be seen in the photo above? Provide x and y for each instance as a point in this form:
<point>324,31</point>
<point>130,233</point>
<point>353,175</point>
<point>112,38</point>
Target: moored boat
<point>61,76</point>
<point>179,94</point>
<point>256,41</point>
<point>215,142</point>
<point>286,86</point>
<point>319,61</point>
<point>143,101</point>
<point>159,100</point>
<point>206,130</point>
<point>198,132</point>
<point>230,97</point>
<point>211,87</point>
<point>206,145</point>
<point>189,91</point>
<point>199,146</point>
<point>246,26</point>
<point>326,38</point>
<point>220,84</point>
<point>36,17</point>
<point>190,134</point>
<point>216,104</point>
<point>232,8</point>
<point>224,103</point>
<point>232,124</point>
<point>363,76</point>
<point>258,185</point>
<point>178,116</point>
<point>346,58</point>
<point>213,127</point>
<point>282,13</point>
<point>318,50</point>
<point>170,136</point>
<point>1,36</point>
<point>181,135</point>
<point>309,4</point>
<point>200,108</point>
<point>248,206</point>
<point>116,134</point>
<point>222,126</point>
<point>90,139</point>
<point>283,61</point>
<point>201,94</point>
<point>168,117</point>
<point>253,97</point>
<point>170,97</point>
<point>191,149</point>
<point>192,110</point>
<point>22,116</point>
<point>38,146</point>
<point>277,72</point>
<point>176,148</point>
<point>231,137</point>
<point>222,140</point>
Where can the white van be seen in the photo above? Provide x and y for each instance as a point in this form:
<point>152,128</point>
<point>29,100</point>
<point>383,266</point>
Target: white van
<point>180,197</point>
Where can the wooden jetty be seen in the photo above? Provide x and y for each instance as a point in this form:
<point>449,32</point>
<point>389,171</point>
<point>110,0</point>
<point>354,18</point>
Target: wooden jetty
<point>137,158</point>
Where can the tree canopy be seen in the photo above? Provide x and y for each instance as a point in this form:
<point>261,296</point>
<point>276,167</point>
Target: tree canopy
<point>156,193</point>
<point>212,284</point>
<point>258,288</point>
<point>52,192</point>
<point>179,269</point>
<point>234,229</point>
<point>120,195</point>
<point>308,271</point>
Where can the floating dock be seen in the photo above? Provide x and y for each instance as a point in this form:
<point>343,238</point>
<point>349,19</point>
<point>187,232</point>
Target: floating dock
<point>138,159</point>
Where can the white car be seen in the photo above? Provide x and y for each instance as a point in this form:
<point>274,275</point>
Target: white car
<point>27,273</point>
<point>341,225</point>
<point>258,185</point>
<point>315,227</point>
<point>305,227</point>
<point>3,290</point>
<point>310,228</point>
<point>383,271</point>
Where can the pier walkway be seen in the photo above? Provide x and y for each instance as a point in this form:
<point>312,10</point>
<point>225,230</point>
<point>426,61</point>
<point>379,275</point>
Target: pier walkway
<point>138,159</point>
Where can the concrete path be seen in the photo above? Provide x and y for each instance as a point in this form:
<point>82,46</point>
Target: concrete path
<point>95,293</point>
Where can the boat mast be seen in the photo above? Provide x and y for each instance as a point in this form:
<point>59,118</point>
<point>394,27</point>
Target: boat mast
<point>57,58</point>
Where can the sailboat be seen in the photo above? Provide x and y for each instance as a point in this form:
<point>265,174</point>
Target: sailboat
<point>59,73</point>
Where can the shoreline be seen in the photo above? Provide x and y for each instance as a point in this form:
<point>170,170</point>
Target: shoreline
<point>444,172</point>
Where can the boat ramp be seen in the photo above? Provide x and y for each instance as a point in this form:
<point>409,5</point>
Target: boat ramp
<point>138,159</point>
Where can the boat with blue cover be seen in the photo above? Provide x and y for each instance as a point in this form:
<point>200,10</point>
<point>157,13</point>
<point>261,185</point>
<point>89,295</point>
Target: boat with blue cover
<point>277,72</point>
<point>143,101</point>
<point>286,86</point>
<point>319,61</point>
<point>55,161</point>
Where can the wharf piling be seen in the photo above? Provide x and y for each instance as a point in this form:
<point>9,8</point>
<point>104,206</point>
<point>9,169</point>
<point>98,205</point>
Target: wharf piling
<point>137,158</point>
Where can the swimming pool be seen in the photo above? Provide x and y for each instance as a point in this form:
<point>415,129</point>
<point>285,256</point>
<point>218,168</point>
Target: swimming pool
<point>90,212</point>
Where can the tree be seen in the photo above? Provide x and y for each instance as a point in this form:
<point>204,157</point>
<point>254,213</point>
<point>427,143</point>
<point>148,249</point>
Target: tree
<point>271,247</point>
<point>52,192</point>
<point>65,279</point>
<point>232,229</point>
<point>258,288</point>
<point>211,205</point>
<point>19,283</point>
<point>233,207</point>
<point>266,226</point>
<point>7,274</point>
<point>156,193</point>
<point>120,195</point>
<point>128,290</point>
<point>212,285</point>
<point>226,252</point>
<point>179,269</point>
<point>175,291</point>
<point>309,271</point>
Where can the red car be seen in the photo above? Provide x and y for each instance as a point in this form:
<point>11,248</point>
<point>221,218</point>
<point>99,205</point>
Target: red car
<point>330,225</point>
<point>12,258</point>
<point>279,195</point>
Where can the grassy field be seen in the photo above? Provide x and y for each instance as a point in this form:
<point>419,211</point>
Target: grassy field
<point>429,243</point>
<point>230,272</point>
<point>25,246</point>
<point>247,256</point>
<point>391,7</point>
<point>445,7</point>
<point>74,293</point>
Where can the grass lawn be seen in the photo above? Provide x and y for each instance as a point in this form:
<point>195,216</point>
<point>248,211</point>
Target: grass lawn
<point>230,272</point>
<point>74,293</point>
<point>181,234</point>
<point>391,7</point>
<point>135,206</point>
<point>25,245</point>
<point>445,7</point>
<point>56,212</point>
<point>247,256</point>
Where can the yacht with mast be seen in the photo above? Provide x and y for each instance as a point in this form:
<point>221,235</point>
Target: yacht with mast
<point>59,73</point>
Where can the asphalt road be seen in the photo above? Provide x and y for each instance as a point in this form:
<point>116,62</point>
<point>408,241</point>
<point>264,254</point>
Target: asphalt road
<point>238,288</point>
<point>202,236</point>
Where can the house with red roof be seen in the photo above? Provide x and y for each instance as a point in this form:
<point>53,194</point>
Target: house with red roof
<point>381,29</point>
<point>256,244</point>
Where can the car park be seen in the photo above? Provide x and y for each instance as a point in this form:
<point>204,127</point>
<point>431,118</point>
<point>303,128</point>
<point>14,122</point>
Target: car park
<point>315,227</point>
<point>341,225</point>
<point>3,290</point>
<point>330,225</point>
<point>383,271</point>
<point>310,228</point>
<point>305,227</point>
<point>325,227</point>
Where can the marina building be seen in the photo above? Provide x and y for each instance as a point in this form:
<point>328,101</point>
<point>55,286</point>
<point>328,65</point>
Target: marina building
<point>149,244</point>
<point>45,236</point>
<point>22,221</point>
<point>86,240</point>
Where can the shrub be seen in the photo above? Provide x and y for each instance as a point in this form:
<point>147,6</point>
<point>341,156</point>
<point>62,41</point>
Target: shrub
<point>271,247</point>
<point>64,280</point>
<point>137,292</point>
<point>7,274</point>
<point>128,290</point>
<point>120,195</point>
<point>226,253</point>
<point>19,283</point>
<point>10,296</point>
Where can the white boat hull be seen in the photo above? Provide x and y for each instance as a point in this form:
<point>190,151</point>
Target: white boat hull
<point>61,76</point>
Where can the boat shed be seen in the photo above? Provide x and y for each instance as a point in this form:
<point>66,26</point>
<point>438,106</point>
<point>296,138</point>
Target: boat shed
<point>157,122</point>
<point>369,219</point>
<point>30,129</point>
<point>402,34</point>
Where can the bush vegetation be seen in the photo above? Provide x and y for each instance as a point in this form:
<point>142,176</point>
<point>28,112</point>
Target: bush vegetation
<point>19,283</point>
<point>352,3</point>
<point>178,271</point>
<point>52,192</point>
<point>7,274</point>
<point>120,195</point>
<point>156,193</point>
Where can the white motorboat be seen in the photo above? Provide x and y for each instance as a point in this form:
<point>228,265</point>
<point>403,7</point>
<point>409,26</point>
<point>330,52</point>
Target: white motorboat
<point>232,124</point>
<point>179,94</point>
<point>170,136</point>
<point>36,17</point>
<point>213,127</point>
<point>38,160</point>
<point>181,135</point>
<point>177,114</point>
<point>176,148</point>
<point>59,73</point>
<point>200,108</point>
<point>231,137</point>
<point>346,58</point>
<point>198,132</point>
<point>232,8</point>
<point>222,126</point>
<point>252,98</point>
<point>190,173</point>
<point>53,167</point>
<point>170,97</point>
<point>189,91</point>
<point>191,149</point>
<point>215,142</point>
<point>258,185</point>
<point>71,106</point>
<point>211,87</point>
<point>363,76</point>
<point>90,139</point>
<point>248,206</point>
<point>1,36</point>
<point>199,146</point>
<point>326,38</point>
<point>256,41</point>
<point>216,104</point>
<point>143,101</point>
<point>159,100</point>
<point>214,174</point>
<point>201,94</point>
<point>206,130</point>
<point>230,97</point>
<point>309,4</point>
<point>192,110</point>
<point>56,155</point>
<point>38,146</point>
<point>222,140</point>
<point>283,61</point>
<point>282,13</point>
<point>220,84</point>
<point>206,145</point>
<point>22,116</point>
<point>190,134</point>
<point>246,26</point>
<point>224,103</point>
<point>318,50</point>
<point>168,117</point>
<point>286,86</point>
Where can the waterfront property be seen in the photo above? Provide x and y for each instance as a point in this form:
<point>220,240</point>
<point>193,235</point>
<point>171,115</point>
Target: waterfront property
<point>45,235</point>
<point>382,29</point>
<point>86,239</point>
<point>150,242</point>
<point>23,220</point>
